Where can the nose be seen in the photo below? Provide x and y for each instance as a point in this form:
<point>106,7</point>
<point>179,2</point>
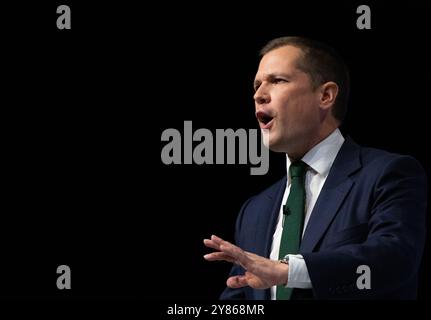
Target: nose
<point>261,96</point>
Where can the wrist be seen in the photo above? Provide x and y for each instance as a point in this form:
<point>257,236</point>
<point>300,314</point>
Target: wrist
<point>284,271</point>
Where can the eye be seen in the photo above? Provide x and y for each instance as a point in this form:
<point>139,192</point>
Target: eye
<point>280,80</point>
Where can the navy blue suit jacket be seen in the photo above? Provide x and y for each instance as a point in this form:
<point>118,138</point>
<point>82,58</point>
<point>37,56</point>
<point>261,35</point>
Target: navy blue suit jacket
<point>370,211</point>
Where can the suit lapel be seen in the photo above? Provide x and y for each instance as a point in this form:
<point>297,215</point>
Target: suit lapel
<point>334,191</point>
<point>270,220</point>
<point>275,203</point>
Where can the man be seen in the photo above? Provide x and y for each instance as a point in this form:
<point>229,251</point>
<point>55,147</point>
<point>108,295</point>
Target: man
<point>346,221</point>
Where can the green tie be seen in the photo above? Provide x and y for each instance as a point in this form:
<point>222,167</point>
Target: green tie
<point>293,219</point>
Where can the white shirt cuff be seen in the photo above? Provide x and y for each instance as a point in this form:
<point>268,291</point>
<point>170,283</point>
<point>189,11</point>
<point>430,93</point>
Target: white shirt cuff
<point>298,273</point>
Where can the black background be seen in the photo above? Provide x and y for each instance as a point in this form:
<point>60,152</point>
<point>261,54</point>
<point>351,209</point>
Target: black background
<point>83,111</point>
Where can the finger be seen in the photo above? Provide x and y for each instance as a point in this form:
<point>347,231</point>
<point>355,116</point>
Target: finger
<point>211,244</point>
<point>217,256</point>
<point>220,242</point>
<point>214,242</point>
<point>234,251</point>
<point>237,253</point>
<point>217,240</point>
<point>237,282</point>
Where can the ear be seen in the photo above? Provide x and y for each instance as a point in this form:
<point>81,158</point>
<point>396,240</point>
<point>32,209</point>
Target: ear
<point>328,94</point>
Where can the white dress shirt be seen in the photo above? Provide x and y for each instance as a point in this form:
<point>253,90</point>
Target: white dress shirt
<point>319,159</point>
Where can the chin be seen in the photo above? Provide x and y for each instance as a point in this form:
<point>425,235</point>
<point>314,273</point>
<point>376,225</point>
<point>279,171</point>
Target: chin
<point>277,149</point>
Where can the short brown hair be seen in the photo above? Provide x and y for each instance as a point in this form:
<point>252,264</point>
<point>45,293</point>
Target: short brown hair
<point>322,63</point>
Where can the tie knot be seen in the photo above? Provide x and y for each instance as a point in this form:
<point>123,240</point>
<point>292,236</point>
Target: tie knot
<point>298,169</point>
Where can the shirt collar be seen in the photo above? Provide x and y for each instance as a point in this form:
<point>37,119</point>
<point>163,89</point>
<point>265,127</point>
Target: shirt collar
<point>322,155</point>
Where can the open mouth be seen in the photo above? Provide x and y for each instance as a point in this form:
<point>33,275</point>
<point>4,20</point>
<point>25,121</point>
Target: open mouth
<point>265,120</point>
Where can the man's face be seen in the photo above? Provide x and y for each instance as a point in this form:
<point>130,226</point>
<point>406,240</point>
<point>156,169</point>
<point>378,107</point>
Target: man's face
<point>285,101</point>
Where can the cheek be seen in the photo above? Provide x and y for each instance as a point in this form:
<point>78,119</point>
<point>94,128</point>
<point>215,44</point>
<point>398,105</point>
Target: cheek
<point>307,114</point>
<point>297,106</point>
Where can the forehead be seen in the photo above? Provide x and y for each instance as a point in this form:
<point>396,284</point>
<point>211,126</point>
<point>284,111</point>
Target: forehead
<point>280,60</point>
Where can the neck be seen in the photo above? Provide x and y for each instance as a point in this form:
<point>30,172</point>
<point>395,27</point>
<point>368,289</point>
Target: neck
<point>323,134</point>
